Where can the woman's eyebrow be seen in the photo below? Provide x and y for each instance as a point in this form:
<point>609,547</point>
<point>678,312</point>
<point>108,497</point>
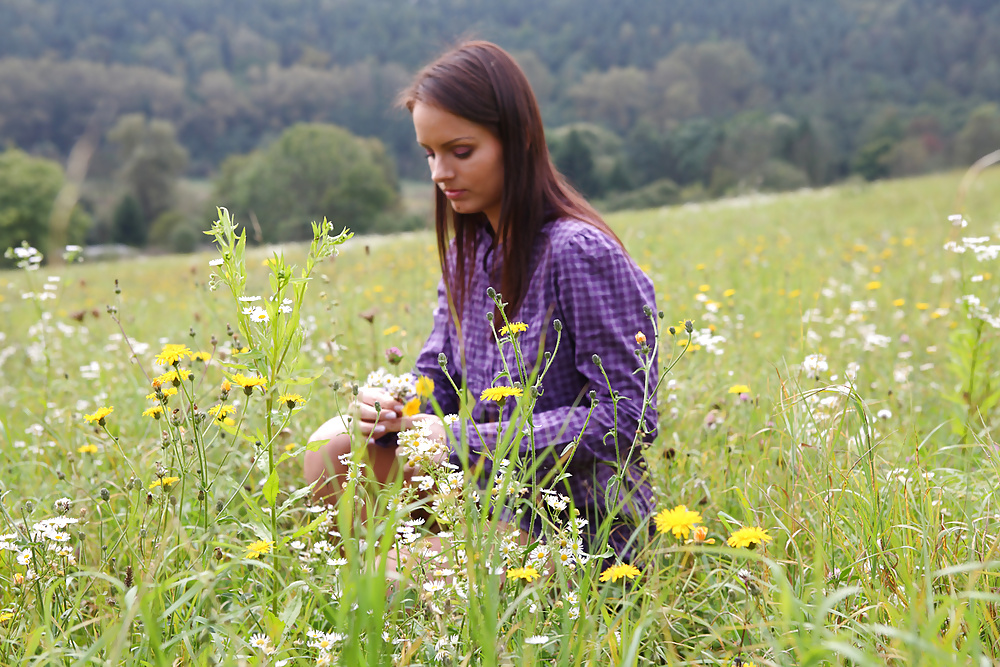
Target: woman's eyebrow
<point>449,143</point>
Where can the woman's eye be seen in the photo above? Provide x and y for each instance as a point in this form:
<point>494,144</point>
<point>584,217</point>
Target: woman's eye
<point>463,153</point>
<point>430,154</point>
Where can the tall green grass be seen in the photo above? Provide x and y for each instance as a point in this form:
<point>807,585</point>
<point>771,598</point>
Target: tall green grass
<point>876,481</point>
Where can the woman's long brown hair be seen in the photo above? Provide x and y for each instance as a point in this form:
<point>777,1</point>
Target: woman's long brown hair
<point>482,83</point>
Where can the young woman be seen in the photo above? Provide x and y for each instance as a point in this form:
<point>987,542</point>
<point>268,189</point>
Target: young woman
<point>506,219</point>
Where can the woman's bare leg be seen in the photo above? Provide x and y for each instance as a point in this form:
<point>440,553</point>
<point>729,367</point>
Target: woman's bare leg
<point>325,467</point>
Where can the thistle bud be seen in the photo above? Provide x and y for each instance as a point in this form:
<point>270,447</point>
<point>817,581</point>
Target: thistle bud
<point>596,359</point>
<point>647,311</point>
<point>105,495</point>
<point>491,293</point>
<point>557,325</point>
<point>688,326</point>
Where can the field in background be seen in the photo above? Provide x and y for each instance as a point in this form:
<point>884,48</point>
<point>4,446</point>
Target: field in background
<point>856,274</point>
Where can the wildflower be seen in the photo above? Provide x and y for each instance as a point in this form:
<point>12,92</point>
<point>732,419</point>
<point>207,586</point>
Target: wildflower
<point>164,394</point>
<point>155,412</point>
<point>201,356</point>
<point>814,365</point>
<point>513,328</point>
<point>262,643</point>
<point>728,293</point>
<point>259,548</point>
<point>424,386</point>
<point>6,616</point>
<point>640,338</point>
<point>873,285</point>
<point>739,389</point>
<point>749,537</point>
<point>248,383</point>
<point>536,640</point>
<point>923,306</point>
<point>220,412</point>
<point>393,356</point>
<point>898,303</point>
<point>290,400</point>
<point>99,415</point>
<point>411,407</point>
<point>390,330</point>
<point>529,574</point>
<point>256,313</point>
<point>499,393</point>
<point>87,449</point>
<point>620,571</point>
<point>679,521</point>
<point>699,534</point>
<point>173,377</point>
<point>164,482</point>
<point>172,354</point>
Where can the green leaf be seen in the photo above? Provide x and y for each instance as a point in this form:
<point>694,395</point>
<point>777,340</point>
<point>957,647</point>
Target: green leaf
<point>271,487</point>
<point>313,525</point>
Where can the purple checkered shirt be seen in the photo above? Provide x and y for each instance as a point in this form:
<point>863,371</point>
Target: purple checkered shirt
<point>583,278</point>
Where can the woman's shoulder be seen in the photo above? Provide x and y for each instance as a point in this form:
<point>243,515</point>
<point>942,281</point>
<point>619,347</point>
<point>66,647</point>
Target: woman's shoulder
<point>575,239</point>
<point>579,235</point>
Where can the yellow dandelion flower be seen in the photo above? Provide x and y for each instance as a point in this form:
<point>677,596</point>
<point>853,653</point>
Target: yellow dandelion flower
<point>679,521</point>
<point>411,407</point>
<point>220,412</point>
<point>873,285</point>
<point>165,482</point>
<point>172,354</point>
<point>499,393</point>
<point>529,574</point>
<point>898,303</point>
<point>640,338</point>
<point>923,306</point>
<point>739,389</point>
<point>166,393</point>
<point>291,446</point>
<point>728,293</point>
<point>99,415</point>
<point>390,330</point>
<point>699,534</point>
<point>226,387</point>
<point>259,548</point>
<point>200,356</point>
<point>87,449</point>
<point>424,386</point>
<point>155,412</point>
<point>248,383</point>
<point>173,377</point>
<point>620,571</point>
<point>704,288</point>
<point>513,328</point>
<point>291,400</point>
<point>749,537</point>
<point>6,616</point>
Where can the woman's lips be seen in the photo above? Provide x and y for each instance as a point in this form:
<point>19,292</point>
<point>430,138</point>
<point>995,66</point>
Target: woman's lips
<point>453,194</point>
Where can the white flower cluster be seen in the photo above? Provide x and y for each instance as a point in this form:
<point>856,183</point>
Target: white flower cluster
<point>709,341</point>
<point>814,366</point>
<point>419,447</point>
<point>977,311</point>
<point>400,386</point>
<point>27,257</point>
<point>980,246</point>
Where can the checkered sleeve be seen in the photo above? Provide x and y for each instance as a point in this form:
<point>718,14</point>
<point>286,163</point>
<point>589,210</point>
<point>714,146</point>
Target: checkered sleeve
<point>600,294</point>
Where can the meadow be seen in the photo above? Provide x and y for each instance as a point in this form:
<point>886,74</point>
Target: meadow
<point>834,406</point>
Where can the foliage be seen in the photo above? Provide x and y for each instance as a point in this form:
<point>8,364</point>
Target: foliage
<point>28,189</point>
<point>311,171</point>
<point>808,408</point>
<point>128,224</point>
<point>226,83</point>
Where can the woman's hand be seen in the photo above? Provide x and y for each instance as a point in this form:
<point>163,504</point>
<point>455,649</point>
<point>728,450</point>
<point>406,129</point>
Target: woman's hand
<point>375,423</point>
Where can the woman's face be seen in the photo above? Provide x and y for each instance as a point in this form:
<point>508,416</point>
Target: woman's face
<point>466,160</point>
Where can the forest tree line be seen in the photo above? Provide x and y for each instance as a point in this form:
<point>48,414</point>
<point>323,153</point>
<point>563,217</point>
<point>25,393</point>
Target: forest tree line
<point>646,101</point>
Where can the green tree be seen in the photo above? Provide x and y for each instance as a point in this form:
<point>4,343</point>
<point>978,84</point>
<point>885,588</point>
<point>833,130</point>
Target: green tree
<point>980,135</point>
<point>152,160</point>
<point>573,158</point>
<point>127,223</point>
<point>28,188</point>
<point>312,171</point>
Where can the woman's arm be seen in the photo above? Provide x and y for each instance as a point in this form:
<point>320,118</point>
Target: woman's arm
<point>600,297</point>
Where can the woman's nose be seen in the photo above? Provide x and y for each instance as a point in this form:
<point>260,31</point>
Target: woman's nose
<point>440,171</point>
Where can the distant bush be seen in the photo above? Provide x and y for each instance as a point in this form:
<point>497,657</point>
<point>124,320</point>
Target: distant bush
<point>312,171</point>
<point>663,192</point>
<point>28,189</point>
<point>778,175</point>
